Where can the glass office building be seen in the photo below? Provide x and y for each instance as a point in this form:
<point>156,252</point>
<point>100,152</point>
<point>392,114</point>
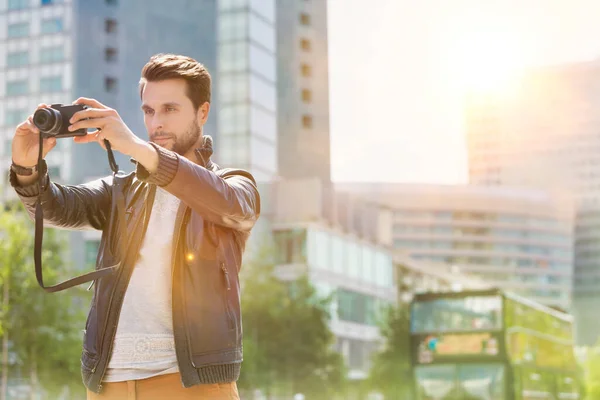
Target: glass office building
<point>519,240</point>
<point>247,86</point>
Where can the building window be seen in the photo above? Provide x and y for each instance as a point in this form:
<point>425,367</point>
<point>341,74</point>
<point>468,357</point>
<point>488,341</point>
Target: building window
<point>110,25</point>
<point>307,121</point>
<point>110,84</point>
<point>305,44</point>
<point>17,4</point>
<point>15,117</point>
<point>17,59</point>
<point>290,246</point>
<point>306,70</point>
<point>52,25</point>
<point>52,54</point>
<point>18,30</point>
<point>48,2</point>
<point>110,54</point>
<point>15,88</point>
<point>111,2</point>
<point>306,95</point>
<point>51,84</point>
<point>304,19</point>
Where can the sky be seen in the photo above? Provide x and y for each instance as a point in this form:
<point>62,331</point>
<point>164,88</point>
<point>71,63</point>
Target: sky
<point>399,69</point>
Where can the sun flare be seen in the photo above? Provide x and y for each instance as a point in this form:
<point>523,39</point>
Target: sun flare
<point>488,60</point>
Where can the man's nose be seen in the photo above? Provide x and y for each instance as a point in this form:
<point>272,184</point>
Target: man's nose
<point>156,124</point>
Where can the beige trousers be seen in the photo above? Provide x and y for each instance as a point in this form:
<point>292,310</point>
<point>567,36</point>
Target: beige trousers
<point>164,387</point>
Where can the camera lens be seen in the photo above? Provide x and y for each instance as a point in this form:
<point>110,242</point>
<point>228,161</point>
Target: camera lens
<point>48,120</point>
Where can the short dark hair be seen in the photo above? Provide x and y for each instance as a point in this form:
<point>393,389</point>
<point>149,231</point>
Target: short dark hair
<point>171,66</point>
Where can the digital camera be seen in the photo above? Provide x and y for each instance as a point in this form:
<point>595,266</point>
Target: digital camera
<point>54,121</point>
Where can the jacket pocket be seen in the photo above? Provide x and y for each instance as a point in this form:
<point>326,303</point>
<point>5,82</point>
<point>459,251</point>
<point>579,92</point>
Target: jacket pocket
<point>209,317</point>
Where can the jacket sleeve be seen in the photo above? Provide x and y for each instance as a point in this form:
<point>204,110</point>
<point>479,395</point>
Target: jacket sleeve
<point>65,206</point>
<point>230,199</point>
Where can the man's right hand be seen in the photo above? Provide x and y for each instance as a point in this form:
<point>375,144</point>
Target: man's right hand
<point>25,147</point>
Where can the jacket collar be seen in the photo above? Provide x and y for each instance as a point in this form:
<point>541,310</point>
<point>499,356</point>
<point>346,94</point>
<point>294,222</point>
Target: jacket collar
<point>204,152</point>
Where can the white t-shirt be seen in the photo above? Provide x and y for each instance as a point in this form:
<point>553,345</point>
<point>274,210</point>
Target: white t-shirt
<point>144,344</point>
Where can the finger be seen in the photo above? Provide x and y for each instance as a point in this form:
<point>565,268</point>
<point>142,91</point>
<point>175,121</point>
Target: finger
<point>49,142</point>
<point>89,102</point>
<point>100,139</point>
<point>42,105</point>
<point>26,127</point>
<point>90,113</point>
<point>48,145</point>
<point>31,125</point>
<point>90,137</point>
<point>89,123</point>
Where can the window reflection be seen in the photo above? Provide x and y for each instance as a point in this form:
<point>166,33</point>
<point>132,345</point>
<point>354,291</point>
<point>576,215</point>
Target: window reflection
<point>262,32</point>
<point>358,307</point>
<point>467,313</point>
<point>436,382</point>
<point>265,8</point>
<point>262,62</point>
<point>345,256</point>
<point>263,154</point>
<point>263,93</point>
<point>460,382</point>
<point>290,246</point>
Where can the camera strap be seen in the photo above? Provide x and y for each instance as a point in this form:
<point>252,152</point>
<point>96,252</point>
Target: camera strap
<point>118,197</point>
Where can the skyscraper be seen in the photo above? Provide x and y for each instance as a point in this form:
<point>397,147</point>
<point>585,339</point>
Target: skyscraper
<point>546,136</point>
<point>303,89</point>
<point>247,86</point>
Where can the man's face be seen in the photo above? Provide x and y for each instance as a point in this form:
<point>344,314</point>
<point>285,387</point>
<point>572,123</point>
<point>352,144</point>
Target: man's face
<point>170,117</point>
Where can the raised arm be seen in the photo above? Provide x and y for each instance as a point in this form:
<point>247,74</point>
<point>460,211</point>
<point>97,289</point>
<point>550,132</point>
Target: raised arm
<point>65,206</point>
<point>229,199</point>
<point>74,207</point>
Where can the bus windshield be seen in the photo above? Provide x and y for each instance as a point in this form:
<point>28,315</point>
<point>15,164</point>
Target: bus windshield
<point>457,314</point>
<point>460,382</point>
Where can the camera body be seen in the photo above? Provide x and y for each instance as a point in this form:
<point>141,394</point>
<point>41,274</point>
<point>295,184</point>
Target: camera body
<point>54,121</point>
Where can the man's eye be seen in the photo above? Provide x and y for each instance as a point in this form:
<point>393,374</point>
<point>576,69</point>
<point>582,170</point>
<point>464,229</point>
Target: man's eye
<point>170,109</point>
<point>148,112</point>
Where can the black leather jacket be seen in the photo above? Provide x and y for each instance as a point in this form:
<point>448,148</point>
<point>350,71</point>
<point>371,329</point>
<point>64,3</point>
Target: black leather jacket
<point>218,209</point>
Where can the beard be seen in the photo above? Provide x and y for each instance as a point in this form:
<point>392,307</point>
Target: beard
<point>182,143</point>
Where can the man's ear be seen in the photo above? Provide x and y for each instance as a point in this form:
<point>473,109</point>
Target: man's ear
<point>203,111</point>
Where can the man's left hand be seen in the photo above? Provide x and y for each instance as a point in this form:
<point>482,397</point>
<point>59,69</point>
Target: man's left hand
<point>108,124</point>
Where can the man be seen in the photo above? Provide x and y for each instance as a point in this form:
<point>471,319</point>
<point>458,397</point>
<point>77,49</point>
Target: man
<point>167,324</point>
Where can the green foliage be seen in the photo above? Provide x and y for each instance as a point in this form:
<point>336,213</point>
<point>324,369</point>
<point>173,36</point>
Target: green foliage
<point>391,370</point>
<point>288,346</point>
<point>592,373</point>
<point>44,329</point>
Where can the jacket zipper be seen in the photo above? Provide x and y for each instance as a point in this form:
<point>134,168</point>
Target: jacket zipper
<point>179,223</point>
<point>226,297</point>
<point>143,213</point>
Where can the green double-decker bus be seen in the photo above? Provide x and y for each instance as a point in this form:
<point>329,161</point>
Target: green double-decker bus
<point>491,345</point>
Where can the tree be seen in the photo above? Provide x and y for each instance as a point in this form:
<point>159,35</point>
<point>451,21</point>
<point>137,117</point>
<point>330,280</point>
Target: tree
<point>288,346</point>
<point>43,330</point>
<point>391,370</point>
<point>592,372</point>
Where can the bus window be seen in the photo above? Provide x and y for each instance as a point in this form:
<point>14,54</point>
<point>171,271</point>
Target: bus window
<point>436,382</point>
<point>460,382</point>
<point>456,314</point>
<point>482,381</point>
